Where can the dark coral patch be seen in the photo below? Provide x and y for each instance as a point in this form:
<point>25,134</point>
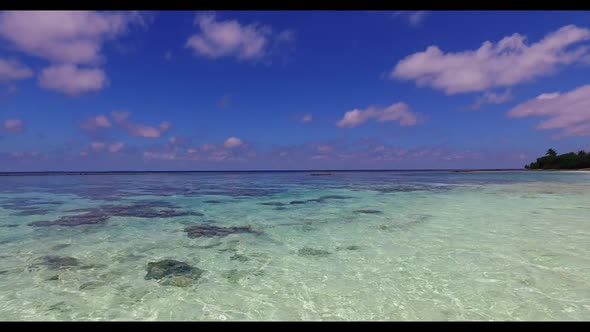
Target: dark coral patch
<point>60,246</point>
<point>307,251</point>
<point>101,214</point>
<point>367,211</point>
<point>202,230</point>
<point>31,212</point>
<point>71,221</point>
<point>57,262</point>
<point>272,203</point>
<point>172,272</point>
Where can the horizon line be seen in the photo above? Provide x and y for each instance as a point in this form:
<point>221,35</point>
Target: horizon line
<point>8,173</point>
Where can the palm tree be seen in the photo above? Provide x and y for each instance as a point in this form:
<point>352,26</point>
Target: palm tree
<point>551,153</point>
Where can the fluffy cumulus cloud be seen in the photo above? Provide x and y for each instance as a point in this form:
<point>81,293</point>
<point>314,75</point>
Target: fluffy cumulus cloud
<point>230,38</point>
<point>506,63</point>
<point>12,70</point>
<point>567,112</point>
<point>67,39</point>
<point>232,142</point>
<point>399,112</point>
<point>14,125</point>
<point>71,79</point>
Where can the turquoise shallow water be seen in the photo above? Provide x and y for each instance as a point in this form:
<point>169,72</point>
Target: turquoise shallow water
<point>351,246</point>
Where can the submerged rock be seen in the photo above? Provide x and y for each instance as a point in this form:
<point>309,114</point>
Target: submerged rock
<point>334,197</point>
<point>239,257</point>
<point>58,262</point>
<point>71,221</point>
<point>321,199</point>
<point>367,211</point>
<point>178,281</point>
<point>90,285</point>
<point>173,273</point>
<point>201,230</point>
<point>55,277</point>
<point>213,201</point>
<point>60,246</point>
<point>100,215</point>
<point>234,276</point>
<point>349,248</point>
<point>272,203</point>
<point>313,252</point>
<point>32,212</point>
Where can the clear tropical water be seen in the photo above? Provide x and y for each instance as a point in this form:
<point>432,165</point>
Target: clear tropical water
<point>351,246</point>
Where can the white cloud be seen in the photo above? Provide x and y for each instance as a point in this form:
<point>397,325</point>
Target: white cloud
<point>231,38</point>
<point>64,36</point>
<point>416,18</point>
<point>399,112</point>
<point>116,147</point>
<point>232,142</point>
<point>307,118</point>
<point>508,62</point>
<point>569,112</point>
<point>96,122</point>
<point>14,125</point>
<point>492,98</point>
<point>121,118</point>
<point>12,70</point>
<point>225,101</point>
<point>67,39</point>
<point>97,146</point>
<point>72,80</point>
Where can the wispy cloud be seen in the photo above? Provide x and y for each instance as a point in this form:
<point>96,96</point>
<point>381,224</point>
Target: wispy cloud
<point>116,147</point>
<point>99,121</point>
<point>12,70</point>
<point>503,64</point>
<point>14,125</point>
<point>413,18</point>
<point>568,112</point>
<point>225,101</point>
<point>307,118</point>
<point>492,98</point>
<point>399,112</point>
<point>121,118</point>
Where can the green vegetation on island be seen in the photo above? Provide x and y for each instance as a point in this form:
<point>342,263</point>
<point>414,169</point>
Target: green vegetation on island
<point>570,160</point>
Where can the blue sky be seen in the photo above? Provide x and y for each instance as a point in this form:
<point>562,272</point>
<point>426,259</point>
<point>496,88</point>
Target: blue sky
<point>290,90</point>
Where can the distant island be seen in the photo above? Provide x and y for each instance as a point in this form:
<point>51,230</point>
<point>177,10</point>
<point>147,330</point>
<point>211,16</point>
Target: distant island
<point>551,160</point>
